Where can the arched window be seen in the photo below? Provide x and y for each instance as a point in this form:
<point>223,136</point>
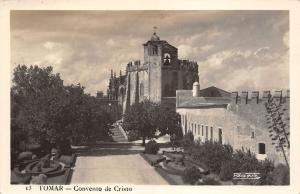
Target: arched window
<point>141,89</point>
<point>167,59</point>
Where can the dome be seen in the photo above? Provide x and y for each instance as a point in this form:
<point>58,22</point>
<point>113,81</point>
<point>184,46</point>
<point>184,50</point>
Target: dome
<point>154,37</point>
<point>196,84</point>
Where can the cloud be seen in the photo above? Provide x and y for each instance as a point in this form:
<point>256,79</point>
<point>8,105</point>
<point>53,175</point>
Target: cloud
<point>49,45</point>
<point>261,50</point>
<point>234,49</point>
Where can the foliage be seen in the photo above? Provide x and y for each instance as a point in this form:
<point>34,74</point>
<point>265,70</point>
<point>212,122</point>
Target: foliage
<point>191,175</point>
<point>169,121</point>
<point>280,175</point>
<point>142,117</point>
<point>226,172</point>
<point>278,121</point>
<point>45,112</point>
<point>244,161</point>
<point>151,147</point>
<point>188,139</point>
<point>212,154</point>
<point>222,160</point>
<point>133,135</point>
<point>145,118</point>
<point>209,181</point>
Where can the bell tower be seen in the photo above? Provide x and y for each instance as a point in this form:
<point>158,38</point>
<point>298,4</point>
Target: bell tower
<point>153,49</point>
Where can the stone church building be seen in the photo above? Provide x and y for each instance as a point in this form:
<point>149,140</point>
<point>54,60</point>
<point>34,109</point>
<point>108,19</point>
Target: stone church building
<point>155,79</point>
<point>212,114</point>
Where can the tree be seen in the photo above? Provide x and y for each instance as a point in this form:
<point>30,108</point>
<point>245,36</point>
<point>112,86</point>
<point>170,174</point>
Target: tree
<point>46,112</point>
<point>147,117</point>
<point>34,92</point>
<point>278,121</point>
<point>169,121</point>
<point>142,117</point>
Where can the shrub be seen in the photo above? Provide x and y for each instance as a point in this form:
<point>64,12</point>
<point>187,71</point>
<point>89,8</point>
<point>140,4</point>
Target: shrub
<point>248,182</point>
<point>246,162</point>
<point>188,139</point>
<point>64,147</point>
<point>280,175</point>
<point>226,172</point>
<point>151,147</point>
<point>265,169</point>
<point>209,181</point>
<point>133,135</point>
<point>191,175</point>
<point>25,155</point>
<point>212,154</point>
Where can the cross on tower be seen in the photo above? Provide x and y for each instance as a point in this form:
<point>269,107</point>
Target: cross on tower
<point>154,29</point>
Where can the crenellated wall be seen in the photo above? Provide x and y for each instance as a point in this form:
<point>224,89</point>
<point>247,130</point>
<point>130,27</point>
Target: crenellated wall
<point>256,97</point>
<point>242,122</point>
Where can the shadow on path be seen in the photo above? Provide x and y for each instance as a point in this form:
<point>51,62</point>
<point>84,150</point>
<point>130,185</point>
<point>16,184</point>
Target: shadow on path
<point>108,149</point>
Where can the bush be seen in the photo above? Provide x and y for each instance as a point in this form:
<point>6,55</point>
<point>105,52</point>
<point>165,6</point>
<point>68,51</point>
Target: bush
<point>212,154</point>
<point>209,181</point>
<point>25,155</point>
<point>151,147</point>
<point>265,169</point>
<point>133,135</point>
<point>244,161</point>
<point>280,175</point>
<point>191,175</point>
<point>188,139</point>
<point>64,147</point>
<point>226,172</point>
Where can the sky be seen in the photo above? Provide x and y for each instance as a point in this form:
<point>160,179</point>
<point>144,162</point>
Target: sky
<point>235,50</point>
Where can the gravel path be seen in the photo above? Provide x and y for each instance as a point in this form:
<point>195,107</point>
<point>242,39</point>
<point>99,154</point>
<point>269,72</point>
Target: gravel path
<point>119,167</point>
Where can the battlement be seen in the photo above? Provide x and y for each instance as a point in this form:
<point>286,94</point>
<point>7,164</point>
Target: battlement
<point>255,97</point>
<point>136,66</point>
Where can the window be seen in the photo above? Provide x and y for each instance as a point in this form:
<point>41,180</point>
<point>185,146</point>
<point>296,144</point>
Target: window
<point>198,129</point>
<point>202,130</point>
<point>211,133</point>
<point>262,148</point>
<point>167,59</point>
<point>141,89</point>
<point>220,136</point>
<point>206,132</point>
<point>252,135</point>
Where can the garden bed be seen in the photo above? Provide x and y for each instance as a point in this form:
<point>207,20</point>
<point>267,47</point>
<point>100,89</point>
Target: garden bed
<point>202,167</point>
<point>153,159</point>
<point>55,175</point>
<point>173,168</point>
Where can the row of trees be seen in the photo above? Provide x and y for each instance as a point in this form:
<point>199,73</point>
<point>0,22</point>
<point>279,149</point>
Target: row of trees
<point>146,118</point>
<point>45,112</point>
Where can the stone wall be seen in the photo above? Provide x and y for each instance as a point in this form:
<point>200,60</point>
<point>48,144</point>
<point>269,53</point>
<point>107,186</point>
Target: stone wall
<point>242,122</point>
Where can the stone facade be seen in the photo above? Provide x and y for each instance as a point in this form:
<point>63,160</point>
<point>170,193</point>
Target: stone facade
<point>156,79</point>
<point>237,119</point>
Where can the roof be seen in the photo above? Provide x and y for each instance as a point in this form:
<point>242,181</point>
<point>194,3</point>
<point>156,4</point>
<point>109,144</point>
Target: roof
<point>204,102</point>
<point>211,97</point>
<point>213,91</point>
